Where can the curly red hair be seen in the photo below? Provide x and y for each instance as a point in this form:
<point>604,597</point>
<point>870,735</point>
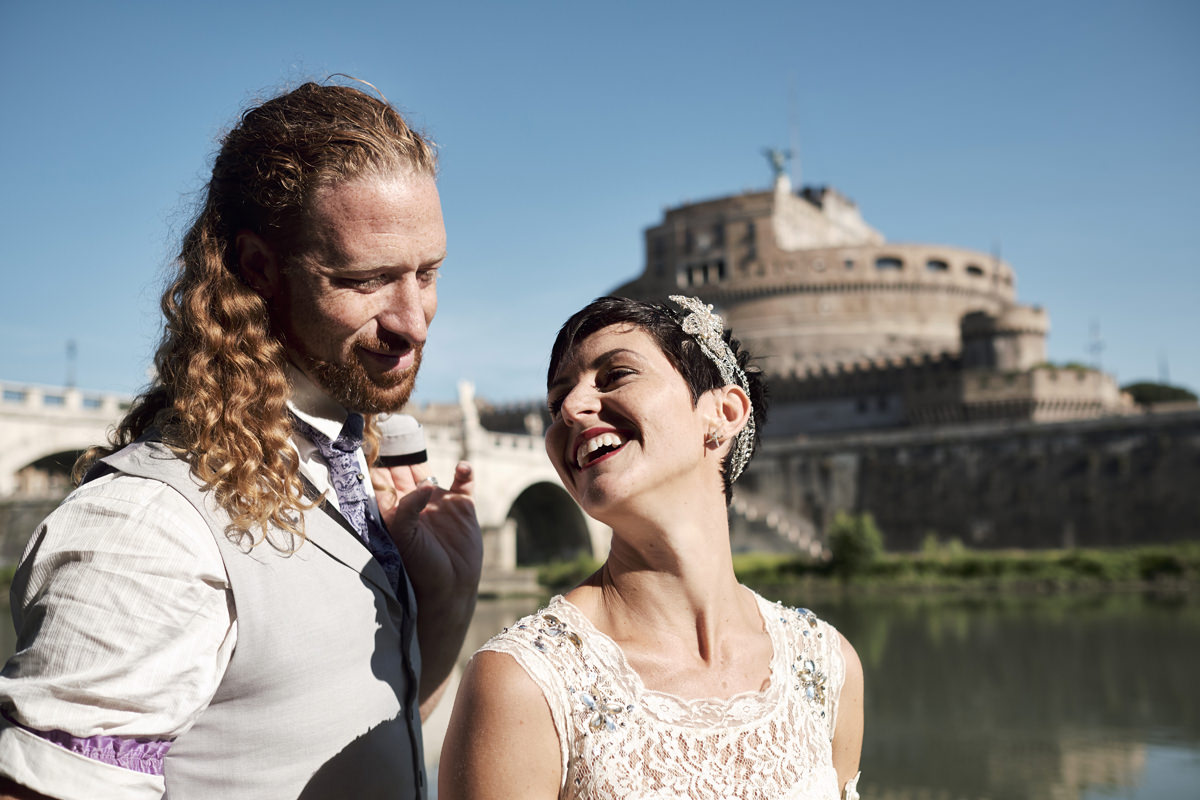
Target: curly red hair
<point>219,397</point>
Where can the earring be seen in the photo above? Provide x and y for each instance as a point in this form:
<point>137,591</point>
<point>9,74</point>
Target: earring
<point>713,438</point>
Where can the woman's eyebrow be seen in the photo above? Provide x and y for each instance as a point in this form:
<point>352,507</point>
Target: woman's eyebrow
<point>600,359</point>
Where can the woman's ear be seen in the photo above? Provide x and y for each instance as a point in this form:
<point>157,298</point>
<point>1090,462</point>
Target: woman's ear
<point>257,264</point>
<point>732,408</point>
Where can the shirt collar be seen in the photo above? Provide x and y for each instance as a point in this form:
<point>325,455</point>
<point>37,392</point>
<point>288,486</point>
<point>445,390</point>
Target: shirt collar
<point>310,403</point>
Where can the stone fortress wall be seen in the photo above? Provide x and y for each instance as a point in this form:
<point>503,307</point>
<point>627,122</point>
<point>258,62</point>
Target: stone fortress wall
<point>1103,482</point>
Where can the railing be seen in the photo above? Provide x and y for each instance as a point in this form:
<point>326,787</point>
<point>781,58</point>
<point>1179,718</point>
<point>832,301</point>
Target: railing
<point>26,398</point>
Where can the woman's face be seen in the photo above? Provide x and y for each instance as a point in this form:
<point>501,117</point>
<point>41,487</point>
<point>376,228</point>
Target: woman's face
<point>624,425</point>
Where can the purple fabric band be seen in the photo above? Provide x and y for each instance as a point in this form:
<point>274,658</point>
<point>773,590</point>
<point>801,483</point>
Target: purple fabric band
<point>140,755</point>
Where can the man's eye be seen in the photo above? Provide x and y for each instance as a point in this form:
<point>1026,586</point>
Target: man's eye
<point>427,276</point>
<point>362,284</point>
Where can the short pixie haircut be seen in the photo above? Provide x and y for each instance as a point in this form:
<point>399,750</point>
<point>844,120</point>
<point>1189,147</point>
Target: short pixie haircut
<point>663,324</point>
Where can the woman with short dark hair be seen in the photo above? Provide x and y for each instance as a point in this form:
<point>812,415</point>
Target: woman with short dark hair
<point>660,676</point>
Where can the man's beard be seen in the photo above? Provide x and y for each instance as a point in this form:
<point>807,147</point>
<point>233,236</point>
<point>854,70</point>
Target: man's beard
<point>351,386</point>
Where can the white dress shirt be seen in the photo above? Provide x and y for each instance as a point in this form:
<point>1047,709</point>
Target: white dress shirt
<point>137,622</point>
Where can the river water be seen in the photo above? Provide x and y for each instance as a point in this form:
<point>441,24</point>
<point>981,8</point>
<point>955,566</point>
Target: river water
<point>1050,697</point>
<point>1062,697</point>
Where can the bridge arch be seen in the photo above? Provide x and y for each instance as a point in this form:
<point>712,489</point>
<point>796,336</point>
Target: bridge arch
<point>38,422</point>
<point>47,476</point>
<point>548,525</point>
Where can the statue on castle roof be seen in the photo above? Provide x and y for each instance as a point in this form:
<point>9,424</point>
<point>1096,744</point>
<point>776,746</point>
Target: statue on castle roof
<point>778,159</point>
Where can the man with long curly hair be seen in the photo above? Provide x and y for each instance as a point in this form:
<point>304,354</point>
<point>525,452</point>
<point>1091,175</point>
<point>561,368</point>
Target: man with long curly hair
<point>227,607</point>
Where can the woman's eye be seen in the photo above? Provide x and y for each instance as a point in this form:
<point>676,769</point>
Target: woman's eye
<point>616,373</point>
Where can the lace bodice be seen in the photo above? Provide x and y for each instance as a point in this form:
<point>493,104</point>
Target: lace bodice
<point>618,739</point>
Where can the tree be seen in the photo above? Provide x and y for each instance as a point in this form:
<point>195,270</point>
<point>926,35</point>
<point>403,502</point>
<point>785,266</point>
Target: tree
<point>1148,392</point>
<point>855,542</point>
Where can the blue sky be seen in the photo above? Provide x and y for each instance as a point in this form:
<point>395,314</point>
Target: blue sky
<point>1066,134</point>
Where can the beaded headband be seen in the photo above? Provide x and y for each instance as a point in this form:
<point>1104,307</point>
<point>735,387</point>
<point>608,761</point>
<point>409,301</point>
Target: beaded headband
<point>707,329</point>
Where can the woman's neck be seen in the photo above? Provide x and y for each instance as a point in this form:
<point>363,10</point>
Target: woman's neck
<point>671,584</point>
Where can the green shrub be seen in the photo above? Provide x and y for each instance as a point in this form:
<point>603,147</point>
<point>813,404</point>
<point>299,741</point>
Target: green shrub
<point>1147,392</point>
<point>768,568</point>
<point>855,543</point>
<point>561,575</point>
<point>1155,563</point>
<point>934,548</point>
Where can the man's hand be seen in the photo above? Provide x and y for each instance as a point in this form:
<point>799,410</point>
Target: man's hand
<point>439,539</point>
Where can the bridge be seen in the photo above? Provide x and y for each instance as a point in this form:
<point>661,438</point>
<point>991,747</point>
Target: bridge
<point>526,515</point>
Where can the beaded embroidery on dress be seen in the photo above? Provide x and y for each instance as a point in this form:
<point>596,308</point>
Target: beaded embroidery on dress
<point>618,739</point>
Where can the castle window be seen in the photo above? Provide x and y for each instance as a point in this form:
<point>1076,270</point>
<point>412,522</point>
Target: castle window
<point>54,400</point>
<point>92,402</point>
<point>14,396</point>
<point>887,262</point>
<point>974,271</point>
<point>703,273</point>
<point>937,265</point>
<point>848,263</point>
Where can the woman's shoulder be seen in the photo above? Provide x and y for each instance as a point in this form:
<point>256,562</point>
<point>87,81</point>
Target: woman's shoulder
<point>821,657</point>
<point>502,732</point>
<point>547,644</point>
<point>538,630</point>
<point>799,622</point>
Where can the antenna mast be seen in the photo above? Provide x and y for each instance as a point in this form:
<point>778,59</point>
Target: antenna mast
<point>1095,344</point>
<point>71,352</point>
<point>794,132</point>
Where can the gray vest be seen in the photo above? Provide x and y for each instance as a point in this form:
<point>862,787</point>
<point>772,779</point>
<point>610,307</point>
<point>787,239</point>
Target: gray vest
<point>320,697</point>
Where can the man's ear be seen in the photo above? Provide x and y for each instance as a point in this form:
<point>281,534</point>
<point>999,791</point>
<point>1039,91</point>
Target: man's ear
<point>257,264</point>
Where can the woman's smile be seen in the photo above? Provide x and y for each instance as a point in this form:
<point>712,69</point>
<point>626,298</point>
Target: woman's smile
<point>595,445</point>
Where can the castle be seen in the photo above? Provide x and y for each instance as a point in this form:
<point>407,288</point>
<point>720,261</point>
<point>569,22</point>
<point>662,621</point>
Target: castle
<point>855,332</point>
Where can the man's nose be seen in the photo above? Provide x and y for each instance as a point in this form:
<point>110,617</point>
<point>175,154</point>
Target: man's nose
<point>404,312</point>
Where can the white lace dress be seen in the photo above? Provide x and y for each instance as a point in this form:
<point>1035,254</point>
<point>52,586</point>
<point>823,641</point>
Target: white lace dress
<point>617,739</point>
